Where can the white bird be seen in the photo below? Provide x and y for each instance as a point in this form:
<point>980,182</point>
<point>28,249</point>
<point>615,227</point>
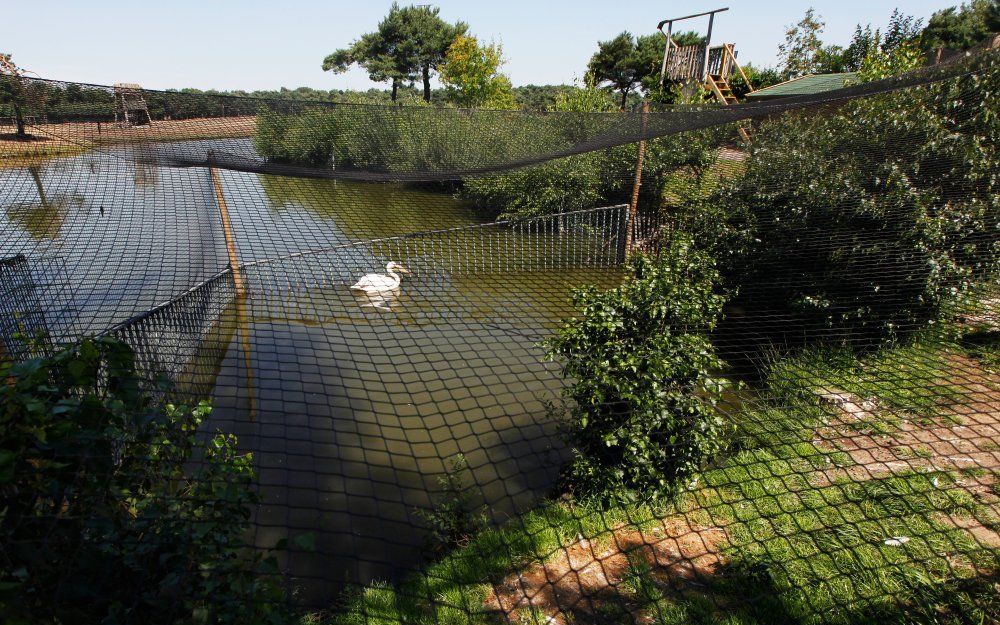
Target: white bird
<point>379,283</point>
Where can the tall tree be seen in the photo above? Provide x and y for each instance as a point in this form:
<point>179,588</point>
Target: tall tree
<point>864,43</point>
<point>472,73</point>
<point>903,29</point>
<point>379,54</point>
<point>618,63</point>
<point>960,28</point>
<point>410,42</point>
<point>14,89</point>
<point>800,53</point>
<point>426,38</point>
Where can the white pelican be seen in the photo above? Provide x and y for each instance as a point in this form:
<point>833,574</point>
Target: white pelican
<point>378,283</point>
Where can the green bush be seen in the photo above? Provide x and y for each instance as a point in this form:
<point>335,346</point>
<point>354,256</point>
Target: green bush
<point>105,518</point>
<point>867,220</point>
<point>454,517</point>
<point>402,139</point>
<point>432,140</point>
<point>643,377</point>
<point>600,178</point>
<point>562,185</point>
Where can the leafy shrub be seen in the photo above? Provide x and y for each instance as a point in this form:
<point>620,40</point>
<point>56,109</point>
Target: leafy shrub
<point>101,521</point>
<point>643,382</point>
<point>600,178</point>
<point>454,517</point>
<point>565,184</point>
<point>867,220</point>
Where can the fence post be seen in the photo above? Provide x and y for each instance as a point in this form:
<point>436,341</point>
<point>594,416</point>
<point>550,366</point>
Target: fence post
<point>227,229</point>
<point>239,286</point>
<point>633,206</point>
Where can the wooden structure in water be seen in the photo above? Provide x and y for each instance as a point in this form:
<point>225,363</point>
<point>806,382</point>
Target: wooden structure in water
<point>704,63</point>
<point>130,105</point>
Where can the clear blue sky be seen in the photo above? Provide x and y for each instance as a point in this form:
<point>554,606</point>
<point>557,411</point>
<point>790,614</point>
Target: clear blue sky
<point>254,44</point>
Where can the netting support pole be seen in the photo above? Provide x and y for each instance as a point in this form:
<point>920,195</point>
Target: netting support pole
<point>227,228</point>
<point>633,207</point>
<point>239,286</point>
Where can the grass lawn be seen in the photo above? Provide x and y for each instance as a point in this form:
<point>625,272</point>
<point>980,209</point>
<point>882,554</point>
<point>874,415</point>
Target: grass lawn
<point>796,541</point>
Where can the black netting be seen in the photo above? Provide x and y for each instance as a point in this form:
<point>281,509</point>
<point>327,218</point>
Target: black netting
<point>776,400</point>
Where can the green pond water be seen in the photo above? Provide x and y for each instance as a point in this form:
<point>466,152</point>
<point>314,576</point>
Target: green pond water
<point>351,410</point>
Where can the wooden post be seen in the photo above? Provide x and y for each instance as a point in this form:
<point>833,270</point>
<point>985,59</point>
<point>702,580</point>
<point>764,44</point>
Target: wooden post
<point>633,206</point>
<point>239,286</point>
<point>227,228</point>
<point>666,51</point>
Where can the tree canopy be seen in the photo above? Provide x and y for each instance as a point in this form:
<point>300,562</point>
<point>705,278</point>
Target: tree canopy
<point>472,74</point>
<point>960,28</point>
<point>802,51</point>
<point>616,63</point>
<point>409,43</point>
<point>626,63</point>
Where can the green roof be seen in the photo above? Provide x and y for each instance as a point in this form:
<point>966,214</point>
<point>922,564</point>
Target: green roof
<point>804,85</point>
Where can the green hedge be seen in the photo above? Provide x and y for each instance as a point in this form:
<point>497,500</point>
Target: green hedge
<point>643,385</point>
<point>868,220</point>
<point>114,508</point>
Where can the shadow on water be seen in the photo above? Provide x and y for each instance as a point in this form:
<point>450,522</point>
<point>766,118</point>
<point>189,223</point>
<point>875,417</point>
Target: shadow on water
<point>351,411</point>
<point>359,410</point>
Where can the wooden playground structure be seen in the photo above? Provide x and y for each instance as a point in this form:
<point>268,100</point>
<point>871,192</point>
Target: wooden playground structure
<point>130,105</point>
<point>704,63</point>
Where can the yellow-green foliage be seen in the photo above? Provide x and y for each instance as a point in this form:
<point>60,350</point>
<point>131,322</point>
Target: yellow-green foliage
<point>471,72</point>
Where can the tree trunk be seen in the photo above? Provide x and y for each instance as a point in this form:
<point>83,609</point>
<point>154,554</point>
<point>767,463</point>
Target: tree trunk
<point>36,175</point>
<point>624,97</point>
<point>19,120</point>
<point>427,82</point>
<point>395,88</point>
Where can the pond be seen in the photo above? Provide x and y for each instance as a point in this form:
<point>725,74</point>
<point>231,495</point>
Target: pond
<point>351,410</point>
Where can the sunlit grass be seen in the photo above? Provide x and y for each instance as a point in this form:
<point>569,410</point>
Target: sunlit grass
<point>801,546</point>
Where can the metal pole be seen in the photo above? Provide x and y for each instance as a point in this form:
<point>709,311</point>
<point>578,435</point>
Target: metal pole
<point>708,45</point>
<point>634,204</point>
<point>666,51</point>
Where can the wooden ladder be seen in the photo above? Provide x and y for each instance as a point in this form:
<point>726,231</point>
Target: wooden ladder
<point>718,83</point>
<point>719,87</point>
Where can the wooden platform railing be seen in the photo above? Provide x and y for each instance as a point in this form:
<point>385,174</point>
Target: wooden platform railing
<point>688,62</point>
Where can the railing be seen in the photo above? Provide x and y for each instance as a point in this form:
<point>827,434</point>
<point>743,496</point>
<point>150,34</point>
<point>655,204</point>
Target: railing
<point>688,62</point>
<point>684,62</point>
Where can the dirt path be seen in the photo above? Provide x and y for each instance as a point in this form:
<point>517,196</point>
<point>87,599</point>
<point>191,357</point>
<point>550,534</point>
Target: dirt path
<point>577,582</point>
<point>963,436</point>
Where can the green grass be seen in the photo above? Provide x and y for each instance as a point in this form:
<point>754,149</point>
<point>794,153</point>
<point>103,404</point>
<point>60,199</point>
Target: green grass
<point>796,553</point>
<point>799,549</point>
<point>912,378</point>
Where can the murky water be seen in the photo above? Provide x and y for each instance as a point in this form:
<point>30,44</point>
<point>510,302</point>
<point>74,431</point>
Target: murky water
<point>351,410</point>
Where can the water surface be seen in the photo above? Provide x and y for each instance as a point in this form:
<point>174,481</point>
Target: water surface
<point>351,408</point>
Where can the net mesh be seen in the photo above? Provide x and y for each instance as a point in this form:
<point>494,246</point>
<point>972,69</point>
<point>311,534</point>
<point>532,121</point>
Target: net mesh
<point>776,398</point>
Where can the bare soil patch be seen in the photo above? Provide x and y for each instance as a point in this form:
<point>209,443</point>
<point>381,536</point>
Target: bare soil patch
<point>574,583</point>
<point>52,140</point>
<point>962,436</point>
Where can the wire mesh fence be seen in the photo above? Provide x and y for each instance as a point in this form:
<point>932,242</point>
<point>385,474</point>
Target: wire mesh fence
<point>455,375</point>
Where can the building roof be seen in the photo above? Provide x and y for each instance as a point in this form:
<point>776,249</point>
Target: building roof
<point>804,85</point>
